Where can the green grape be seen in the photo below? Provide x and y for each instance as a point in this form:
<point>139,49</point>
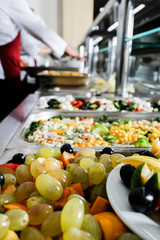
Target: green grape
<point>91,225</point>
<point>51,227</point>
<point>34,194</point>
<point>19,219</point>
<point>98,190</point>
<point>49,187</point>
<point>114,157</point>
<point>74,233</point>
<point>5,199</point>
<point>48,152</point>
<point>24,190</point>
<point>31,233</point>
<point>23,174</point>
<point>80,175</point>
<point>105,178</point>
<point>96,173</point>
<point>105,155</point>
<point>86,152</point>
<point>70,167</point>
<point>51,164</point>
<point>67,174</point>
<point>37,169</point>
<point>9,179</point>
<point>78,159</point>
<point>72,214</point>
<point>35,200</point>
<point>29,159</point>
<point>86,206</point>
<point>129,236</point>
<point>86,163</point>
<point>10,235</point>
<point>4,224</point>
<point>60,177</point>
<point>104,159</point>
<point>39,212</point>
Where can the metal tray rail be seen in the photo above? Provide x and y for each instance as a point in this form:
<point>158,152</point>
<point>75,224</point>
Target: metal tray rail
<point>18,139</point>
<point>9,153</point>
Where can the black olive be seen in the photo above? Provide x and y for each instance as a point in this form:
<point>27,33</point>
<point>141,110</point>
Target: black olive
<point>80,99</point>
<point>126,173</point>
<point>107,150</point>
<point>141,199</point>
<point>67,148</point>
<point>146,153</point>
<point>18,158</point>
<point>2,180</point>
<point>85,106</point>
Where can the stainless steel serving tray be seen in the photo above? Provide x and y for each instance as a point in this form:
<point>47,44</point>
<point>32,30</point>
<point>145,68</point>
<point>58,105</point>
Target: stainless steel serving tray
<point>18,139</point>
<point>82,96</point>
<point>62,78</point>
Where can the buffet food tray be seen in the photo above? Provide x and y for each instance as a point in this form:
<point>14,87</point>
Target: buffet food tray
<point>62,78</point>
<point>70,102</point>
<point>18,139</point>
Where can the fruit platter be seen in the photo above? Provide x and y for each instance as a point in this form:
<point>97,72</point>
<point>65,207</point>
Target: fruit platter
<point>56,193</point>
<point>72,103</point>
<point>136,179</point>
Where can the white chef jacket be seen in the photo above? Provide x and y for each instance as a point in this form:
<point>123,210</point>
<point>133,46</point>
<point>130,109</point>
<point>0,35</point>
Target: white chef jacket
<point>16,15</point>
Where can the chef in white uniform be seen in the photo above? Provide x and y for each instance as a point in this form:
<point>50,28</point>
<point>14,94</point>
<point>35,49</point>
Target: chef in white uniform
<point>14,16</point>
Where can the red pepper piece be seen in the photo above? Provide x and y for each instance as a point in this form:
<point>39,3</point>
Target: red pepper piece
<point>96,101</point>
<point>78,105</point>
<point>74,102</point>
<point>13,166</point>
<point>138,110</point>
<point>83,118</point>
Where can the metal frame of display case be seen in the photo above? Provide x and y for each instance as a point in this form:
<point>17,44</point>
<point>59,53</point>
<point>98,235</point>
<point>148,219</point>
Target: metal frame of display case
<point>125,45</point>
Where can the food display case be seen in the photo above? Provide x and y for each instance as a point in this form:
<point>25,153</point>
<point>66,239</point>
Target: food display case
<point>122,49</point>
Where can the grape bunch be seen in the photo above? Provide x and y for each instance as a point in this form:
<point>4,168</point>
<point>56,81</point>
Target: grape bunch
<point>49,194</point>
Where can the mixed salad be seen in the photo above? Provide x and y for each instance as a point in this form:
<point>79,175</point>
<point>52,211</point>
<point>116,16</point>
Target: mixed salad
<point>88,131</point>
<point>71,103</point>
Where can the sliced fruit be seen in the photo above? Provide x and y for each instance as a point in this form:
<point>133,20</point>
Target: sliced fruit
<point>137,160</point>
<point>153,183</point>
<point>157,154</point>
<point>140,176</point>
<point>100,129</point>
<point>112,227</point>
<point>155,147</point>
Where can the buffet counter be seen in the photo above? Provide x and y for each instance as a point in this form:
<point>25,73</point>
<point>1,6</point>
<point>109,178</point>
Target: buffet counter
<point>11,123</point>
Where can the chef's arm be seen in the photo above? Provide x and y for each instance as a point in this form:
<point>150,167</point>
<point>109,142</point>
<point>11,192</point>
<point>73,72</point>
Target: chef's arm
<point>44,51</point>
<point>25,18</point>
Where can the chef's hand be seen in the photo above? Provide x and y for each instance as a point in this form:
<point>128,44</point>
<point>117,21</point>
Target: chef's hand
<point>73,53</point>
<point>23,63</point>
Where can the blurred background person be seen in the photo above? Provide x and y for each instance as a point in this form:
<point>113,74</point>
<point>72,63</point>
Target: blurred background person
<point>16,15</point>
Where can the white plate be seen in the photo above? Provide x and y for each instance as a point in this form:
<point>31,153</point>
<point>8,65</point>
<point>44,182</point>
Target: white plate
<point>139,223</point>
